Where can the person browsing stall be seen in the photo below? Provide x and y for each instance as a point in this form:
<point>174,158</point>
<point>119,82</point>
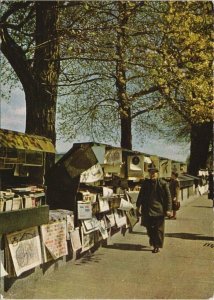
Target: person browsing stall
<point>153,204</point>
<point>174,187</point>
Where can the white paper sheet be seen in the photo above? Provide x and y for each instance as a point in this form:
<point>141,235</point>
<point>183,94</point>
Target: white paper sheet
<point>2,270</point>
<point>113,157</point>
<point>103,204</point>
<point>120,218</point>
<point>75,239</point>
<point>95,173</point>
<point>8,205</point>
<point>90,225</point>
<point>107,192</point>
<point>111,219</point>
<point>125,205</point>
<point>17,203</point>
<point>25,249</point>
<point>54,238</point>
<point>87,240</point>
<point>103,229</point>
<point>1,205</point>
<point>28,202</point>
<point>84,210</point>
<point>69,225</point>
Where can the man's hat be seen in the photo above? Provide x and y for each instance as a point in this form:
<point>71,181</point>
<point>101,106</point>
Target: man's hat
<point>153,168</point>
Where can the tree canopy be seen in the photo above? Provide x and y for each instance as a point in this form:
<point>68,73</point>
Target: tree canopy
<point>117,67</point>
<point>166,57</point>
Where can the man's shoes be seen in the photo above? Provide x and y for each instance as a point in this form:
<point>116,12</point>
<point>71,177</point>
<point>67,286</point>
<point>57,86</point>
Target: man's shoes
<point>155,250</point>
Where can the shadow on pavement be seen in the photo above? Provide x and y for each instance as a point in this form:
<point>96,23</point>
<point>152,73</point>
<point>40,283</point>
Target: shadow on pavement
<point>120,246</point>
<point>138,232</point>
<point>182,235</point>
<point>202,206</point>
<point>87,259</point>
<point>189,236</point>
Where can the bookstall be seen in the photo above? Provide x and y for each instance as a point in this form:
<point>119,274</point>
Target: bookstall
<point>91,194</point>
<point>100,183</point>
<point>23,204</point>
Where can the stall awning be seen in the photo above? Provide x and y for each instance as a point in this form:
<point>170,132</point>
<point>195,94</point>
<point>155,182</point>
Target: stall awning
<point>22,141</point>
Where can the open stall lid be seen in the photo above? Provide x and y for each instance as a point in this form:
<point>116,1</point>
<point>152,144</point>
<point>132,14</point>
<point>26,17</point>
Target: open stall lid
<point>22,141</point>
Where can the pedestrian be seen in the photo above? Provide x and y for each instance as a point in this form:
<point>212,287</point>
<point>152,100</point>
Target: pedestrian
<point>153,204</point>
<point>174,187</point>
<point>210,187</point>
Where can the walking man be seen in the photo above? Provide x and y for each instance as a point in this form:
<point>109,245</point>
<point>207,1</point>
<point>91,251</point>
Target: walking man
<point>174,187</point>
<point>153,204</point>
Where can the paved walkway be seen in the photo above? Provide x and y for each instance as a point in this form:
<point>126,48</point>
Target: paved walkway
<point>127,269</point>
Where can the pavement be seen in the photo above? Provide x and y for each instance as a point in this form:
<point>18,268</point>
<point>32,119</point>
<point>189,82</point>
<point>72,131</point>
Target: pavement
<point>127,269</point>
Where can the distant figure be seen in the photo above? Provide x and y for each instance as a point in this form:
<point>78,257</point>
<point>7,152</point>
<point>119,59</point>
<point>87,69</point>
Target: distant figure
<point>210,186</point>
<point>174,187</point>
<point>154,200</point>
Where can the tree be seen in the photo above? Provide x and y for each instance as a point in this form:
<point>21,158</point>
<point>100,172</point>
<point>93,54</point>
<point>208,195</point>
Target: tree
<point>119,61</point>
<point>37,67</point>
<point>187,57</point>
<point>161,52</point>
<point>110,85</point>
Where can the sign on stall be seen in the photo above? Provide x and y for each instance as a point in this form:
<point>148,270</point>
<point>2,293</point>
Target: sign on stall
<point>84,210</point>
<point>54,239</point>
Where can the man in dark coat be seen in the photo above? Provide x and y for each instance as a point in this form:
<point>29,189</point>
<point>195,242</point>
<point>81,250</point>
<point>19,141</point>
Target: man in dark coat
<point>155,202</point>
<point>210,187</point>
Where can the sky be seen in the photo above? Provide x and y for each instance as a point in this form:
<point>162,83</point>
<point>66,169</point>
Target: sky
<point>12,117</point>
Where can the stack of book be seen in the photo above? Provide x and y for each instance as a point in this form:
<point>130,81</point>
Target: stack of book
<point>20,198</point>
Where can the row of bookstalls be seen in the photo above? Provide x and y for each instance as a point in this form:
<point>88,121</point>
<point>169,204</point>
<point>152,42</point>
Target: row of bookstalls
<point>87,196</point>
<point>23,205</point>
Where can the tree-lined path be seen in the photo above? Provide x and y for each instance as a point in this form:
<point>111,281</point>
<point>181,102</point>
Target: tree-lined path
<point>127,269</point>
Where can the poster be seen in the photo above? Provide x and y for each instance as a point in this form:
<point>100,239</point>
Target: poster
<point>103,229</point>
<point>165,168</point>
<point>75,239</point>
<point>54,239</point>
<point>95,173</point>
<point>111,218</point>
<point>25,249</point>
<point>120,218</point>
<point>87,240</point>
<point>125,205</point>
<point>113,157</point>
<point>84,210</point>
<point>103,204</point>
<point>90,225</point>
<point>107,192</point>
<point>69,225</point>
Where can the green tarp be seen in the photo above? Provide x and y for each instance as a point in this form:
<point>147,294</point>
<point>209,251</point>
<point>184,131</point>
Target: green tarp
<point>22,141</point>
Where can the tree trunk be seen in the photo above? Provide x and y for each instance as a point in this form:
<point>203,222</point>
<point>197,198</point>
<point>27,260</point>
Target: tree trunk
<point>126,134</point>
<point>201,141</point>
<point>40,80</point>
<point>121,82</point>
<point>41,94</point>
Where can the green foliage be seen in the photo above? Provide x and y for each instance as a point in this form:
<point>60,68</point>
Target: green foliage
<point>187,55</point>
<point>152,57</point>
